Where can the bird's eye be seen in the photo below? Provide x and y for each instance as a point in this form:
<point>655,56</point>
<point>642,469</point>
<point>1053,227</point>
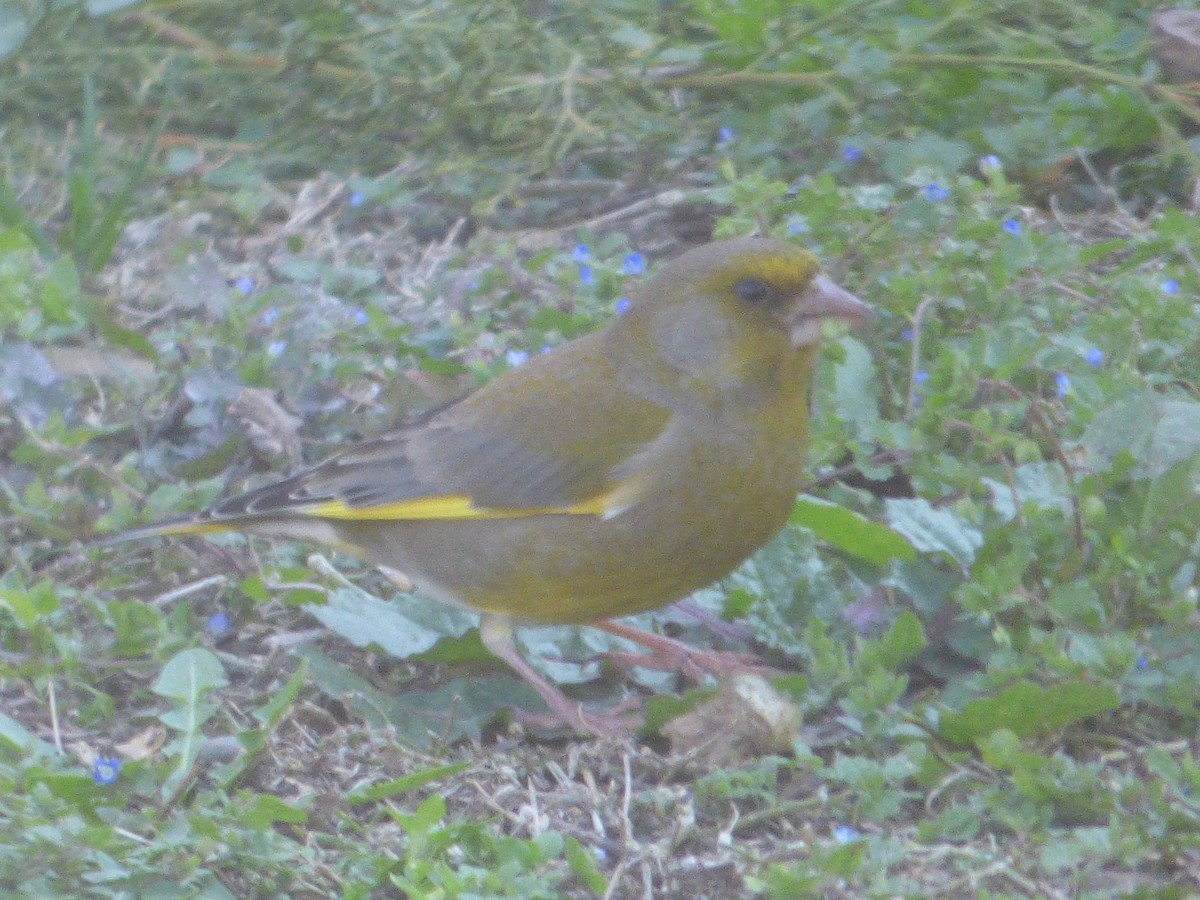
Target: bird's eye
<point>754,291</point>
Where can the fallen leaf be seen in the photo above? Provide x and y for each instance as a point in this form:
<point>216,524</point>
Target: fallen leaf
<point>271,429</point>
<point>746,719</point>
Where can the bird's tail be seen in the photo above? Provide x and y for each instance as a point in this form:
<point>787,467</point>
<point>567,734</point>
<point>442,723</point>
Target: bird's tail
<point>271,525</point>
<point>169,528</point>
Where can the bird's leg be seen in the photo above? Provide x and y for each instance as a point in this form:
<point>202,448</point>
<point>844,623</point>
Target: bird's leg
<point>671,655</point>
<point>499,636</point>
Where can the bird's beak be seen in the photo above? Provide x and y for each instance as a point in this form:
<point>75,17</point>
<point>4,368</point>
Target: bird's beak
<point>825,299</point>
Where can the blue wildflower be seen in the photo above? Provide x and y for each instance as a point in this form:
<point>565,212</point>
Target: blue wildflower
<point>516,357</point>
<point>726,135</point>
<point>581,253</point>
<point>275,349</point>
<point>989,163</point>
<point>851,154</point>
<point>1094,357</point>
<point>360,317</point>
<point>270,316</point>
<point>935,193</point>
<point>797,225</point>
<point>844,834</point>
<point>907,334</point>
<point>635,264</point>
<point>586,275</point>
<point>1169,286</point>
<point>1062,384</point>
<point>106,769</point>
<point>621,306</point>
<point>920,377</point>
<point>245,284</point>
<point>1142,663</point>
<point>218,624</point>
<point>355,200</point>
<point>1012,226</point>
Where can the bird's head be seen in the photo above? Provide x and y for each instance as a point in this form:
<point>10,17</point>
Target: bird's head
<point>723,318</point>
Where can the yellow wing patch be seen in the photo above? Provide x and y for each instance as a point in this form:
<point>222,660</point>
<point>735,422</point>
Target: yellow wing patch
<point>169,528</point>
<point>428,508</point>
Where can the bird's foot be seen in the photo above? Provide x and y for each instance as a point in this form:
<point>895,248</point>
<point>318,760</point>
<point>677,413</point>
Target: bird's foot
<point>669,655</point>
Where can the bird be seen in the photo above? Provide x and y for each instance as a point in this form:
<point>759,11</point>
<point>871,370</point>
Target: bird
<point>613,474</point>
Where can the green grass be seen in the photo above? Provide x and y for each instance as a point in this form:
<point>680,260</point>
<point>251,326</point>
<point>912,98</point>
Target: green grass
<point>363,212</point>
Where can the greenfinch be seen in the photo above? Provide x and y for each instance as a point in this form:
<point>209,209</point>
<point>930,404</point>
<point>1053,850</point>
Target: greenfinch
<point>613,474</point>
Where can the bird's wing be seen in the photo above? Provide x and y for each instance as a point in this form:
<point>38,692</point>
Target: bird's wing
<point>541,440</point>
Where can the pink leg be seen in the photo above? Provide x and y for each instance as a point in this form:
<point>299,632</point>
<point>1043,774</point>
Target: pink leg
<point>499,636</point>
<point>672,655</point>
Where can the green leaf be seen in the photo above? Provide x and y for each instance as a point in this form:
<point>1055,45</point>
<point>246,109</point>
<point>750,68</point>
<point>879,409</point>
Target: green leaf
<point>14,733</point>
<point>566,654</point>
<point>793,587</point>
<point>934,530</point>
<point>20,605</point>
<point>272,713</point>
<point>61,297</point>
<point>583,864</point>
<point>899,645</point>
<point>1173,499</point>
<point>660,710</point>
<point>1094,253</point>
<point>344,686</point>
<point>14,28</point>
<point>456,710</point>
<point>856,390</point>
<point>460,708</point>
<point>268,811</point>
<point>926,150</point>
<point>212,463</point>
<point>850,532</point>
<point>740,23</point>
<point>1158,432</point>
<point>97,8</point>
<point>1176,225</point>
<point>430,813</point>
<point>254,741</point>
<point>1043,484</point>
<point>81,180</point>
<point>189,675</point>
<point>1077,848</point>
<point>406,626</point>
<point>186,680</point>
<point>120,336</point>
<point>298,269</point>
<point>956,824</point>
<point>15,217</point>
<point>635,39</point>
<point>386,789</point>
<point>1176,437</point>
<point>103,236</point>
<point>1076,604</point>
<point>1027,709</point>
<point>78,790</point>
<point>137,627</point>
<point>254,588</point>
